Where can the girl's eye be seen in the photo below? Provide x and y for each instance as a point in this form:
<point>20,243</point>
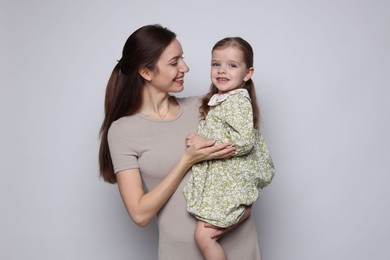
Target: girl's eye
<point>233,65</point>
<point>214,64</point>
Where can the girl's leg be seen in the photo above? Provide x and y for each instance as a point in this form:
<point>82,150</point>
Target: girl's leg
<point>210,248</point>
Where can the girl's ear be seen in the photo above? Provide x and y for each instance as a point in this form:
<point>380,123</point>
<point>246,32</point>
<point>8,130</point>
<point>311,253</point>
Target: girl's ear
<point>145,73</point>
<point>249,73</point>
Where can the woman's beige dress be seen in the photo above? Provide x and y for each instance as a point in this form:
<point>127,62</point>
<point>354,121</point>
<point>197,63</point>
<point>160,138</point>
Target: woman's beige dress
<point>155,147</point>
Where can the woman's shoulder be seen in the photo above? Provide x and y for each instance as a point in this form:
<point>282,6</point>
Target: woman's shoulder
<point>125,120</point>
<point>192,100</point>
<point>124,125</point>
<point>189,108</point>
<point>191,103</point>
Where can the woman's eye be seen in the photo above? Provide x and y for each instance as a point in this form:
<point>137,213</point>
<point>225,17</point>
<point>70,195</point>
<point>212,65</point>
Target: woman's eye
<point>176,61</point>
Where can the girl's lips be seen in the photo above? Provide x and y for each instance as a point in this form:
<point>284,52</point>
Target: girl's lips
<point>220,79</point>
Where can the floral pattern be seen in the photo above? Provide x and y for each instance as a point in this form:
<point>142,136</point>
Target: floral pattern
<point>219,190</point>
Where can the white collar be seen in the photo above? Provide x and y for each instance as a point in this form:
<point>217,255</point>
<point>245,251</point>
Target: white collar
<point>217,99</point>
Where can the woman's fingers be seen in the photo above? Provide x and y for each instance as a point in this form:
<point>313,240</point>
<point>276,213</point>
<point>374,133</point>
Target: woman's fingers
<point>218,232</point>
<point>222,151</point>
<point>207,150</point>
<point>205,144</point>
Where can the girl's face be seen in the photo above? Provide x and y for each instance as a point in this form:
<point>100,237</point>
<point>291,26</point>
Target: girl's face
<point>169,73</point>
<point>228,69</point>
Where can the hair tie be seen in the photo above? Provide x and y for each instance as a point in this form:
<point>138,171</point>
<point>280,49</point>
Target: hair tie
<point>120,65</point>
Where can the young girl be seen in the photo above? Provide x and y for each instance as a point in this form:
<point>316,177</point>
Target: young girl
<point>219,191</point>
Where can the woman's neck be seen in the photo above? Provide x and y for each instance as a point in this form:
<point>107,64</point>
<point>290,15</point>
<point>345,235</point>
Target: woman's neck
<point>157,105</point>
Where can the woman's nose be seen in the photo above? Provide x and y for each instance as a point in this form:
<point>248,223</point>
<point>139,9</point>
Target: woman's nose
<point>184,68</point>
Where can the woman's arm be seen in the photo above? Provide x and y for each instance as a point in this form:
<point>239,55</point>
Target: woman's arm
<point>142,207</point>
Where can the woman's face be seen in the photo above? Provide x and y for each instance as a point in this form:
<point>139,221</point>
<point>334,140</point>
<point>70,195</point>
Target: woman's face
<point>169,74</point>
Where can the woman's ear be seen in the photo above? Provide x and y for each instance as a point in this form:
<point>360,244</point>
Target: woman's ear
<point>249,73</point>
<point>145,73</point>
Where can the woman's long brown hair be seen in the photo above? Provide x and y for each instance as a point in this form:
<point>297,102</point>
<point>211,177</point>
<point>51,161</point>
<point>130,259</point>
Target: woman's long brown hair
<point>123,97</point>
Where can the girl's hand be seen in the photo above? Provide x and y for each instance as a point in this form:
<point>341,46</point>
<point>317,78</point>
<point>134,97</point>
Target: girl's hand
<point>193,138</point>
<point>219,232</point>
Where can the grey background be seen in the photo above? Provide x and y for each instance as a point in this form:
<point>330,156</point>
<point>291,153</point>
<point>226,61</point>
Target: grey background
<point>322,77</point>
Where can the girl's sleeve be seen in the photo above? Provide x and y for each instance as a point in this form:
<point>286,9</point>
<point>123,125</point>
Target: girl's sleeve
<point>238,118</point>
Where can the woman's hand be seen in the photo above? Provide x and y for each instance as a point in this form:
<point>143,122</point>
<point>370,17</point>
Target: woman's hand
<point>219,232</point>
<point>200,149</point>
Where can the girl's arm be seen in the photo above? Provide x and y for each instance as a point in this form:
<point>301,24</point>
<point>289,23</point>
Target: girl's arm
<point>141,206</point>
<point>238,116</point>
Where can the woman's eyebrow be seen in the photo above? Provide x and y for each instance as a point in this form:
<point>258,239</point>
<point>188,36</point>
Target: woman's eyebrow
<point>174,58</point>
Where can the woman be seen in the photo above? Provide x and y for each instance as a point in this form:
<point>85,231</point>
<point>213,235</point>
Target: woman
<point>143,145</point>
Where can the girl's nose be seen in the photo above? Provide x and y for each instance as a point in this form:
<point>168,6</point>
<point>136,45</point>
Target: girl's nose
<point>221,69</point>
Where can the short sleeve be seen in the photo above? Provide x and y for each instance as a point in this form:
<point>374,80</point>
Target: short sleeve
<point>123,156</point>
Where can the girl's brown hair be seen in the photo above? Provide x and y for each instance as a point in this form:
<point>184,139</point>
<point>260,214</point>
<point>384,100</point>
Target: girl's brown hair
<point>143,48</point>
<point>247,52</point>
